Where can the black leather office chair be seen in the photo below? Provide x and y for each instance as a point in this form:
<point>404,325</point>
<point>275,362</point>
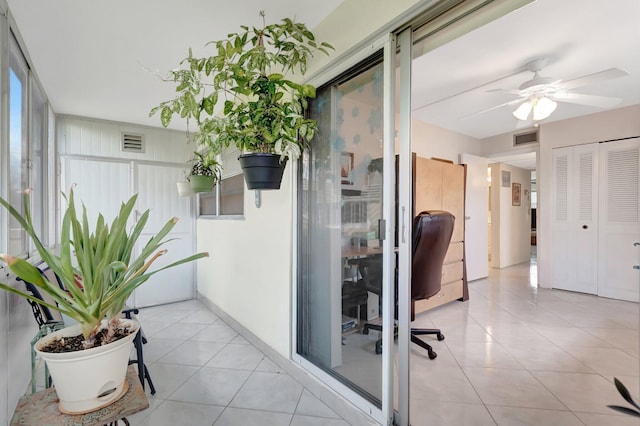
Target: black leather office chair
<point>432,232</point>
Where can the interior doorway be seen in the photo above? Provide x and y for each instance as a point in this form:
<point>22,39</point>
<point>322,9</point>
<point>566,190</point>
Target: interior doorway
<point>512,220</point>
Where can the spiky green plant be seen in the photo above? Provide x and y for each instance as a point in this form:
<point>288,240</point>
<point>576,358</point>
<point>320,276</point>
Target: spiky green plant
<point>95,264</point>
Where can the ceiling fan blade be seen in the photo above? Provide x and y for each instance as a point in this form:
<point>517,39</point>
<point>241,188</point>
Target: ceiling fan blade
<point>589,100</point>
<point>515,101</point>
<point>509,91</point>
<point>596,77</point>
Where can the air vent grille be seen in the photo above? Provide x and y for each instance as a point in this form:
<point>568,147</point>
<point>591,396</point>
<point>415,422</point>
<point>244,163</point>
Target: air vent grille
<point>525,138</point>
<point>132,142</point>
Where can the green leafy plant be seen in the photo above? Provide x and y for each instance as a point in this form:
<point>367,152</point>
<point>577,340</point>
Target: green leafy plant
<point>203,165</point>
<point>262,109</point>
<point>95,264</point>
<point>627,397</point>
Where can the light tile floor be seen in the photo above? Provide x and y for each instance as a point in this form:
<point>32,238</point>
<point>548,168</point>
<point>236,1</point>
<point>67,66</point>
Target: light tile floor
<point>513,355</point>
<point>519,355</point>
<point>205,373</point>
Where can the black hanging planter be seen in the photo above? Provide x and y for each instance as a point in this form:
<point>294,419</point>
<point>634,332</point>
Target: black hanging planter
<point>262,171</point>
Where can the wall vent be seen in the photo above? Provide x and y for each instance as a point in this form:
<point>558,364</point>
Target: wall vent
<point>525,138</point>
<point>132,142</point>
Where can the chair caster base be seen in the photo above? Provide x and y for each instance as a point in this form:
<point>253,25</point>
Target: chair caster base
<point>440,336</point>
<point>432,355</point>
<point>378,348</point>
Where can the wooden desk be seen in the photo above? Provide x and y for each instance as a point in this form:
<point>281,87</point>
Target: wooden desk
<point>41,408</point>
<point>353,252</point>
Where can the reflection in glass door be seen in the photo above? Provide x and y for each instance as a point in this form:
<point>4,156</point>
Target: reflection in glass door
<point>341,264</point>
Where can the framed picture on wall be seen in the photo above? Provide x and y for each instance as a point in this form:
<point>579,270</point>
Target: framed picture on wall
<point>506,178</point>
<point>346,168</point>
<point>515,194</point>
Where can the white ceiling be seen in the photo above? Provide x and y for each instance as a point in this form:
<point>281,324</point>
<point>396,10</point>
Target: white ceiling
<point>578,37</point>
<point>103,59</point>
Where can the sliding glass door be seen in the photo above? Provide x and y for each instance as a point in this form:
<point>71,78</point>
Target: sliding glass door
<point>346,235</point>
<point>348,240</point>
<point>342,213</point>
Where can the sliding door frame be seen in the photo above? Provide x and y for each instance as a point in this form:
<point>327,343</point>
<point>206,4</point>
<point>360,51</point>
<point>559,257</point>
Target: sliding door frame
<point>385,413</point>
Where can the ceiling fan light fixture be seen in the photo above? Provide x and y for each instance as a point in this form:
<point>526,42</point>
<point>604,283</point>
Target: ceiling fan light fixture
<point>540,107</point>
<point>523,111</point>
<point>543,108</point>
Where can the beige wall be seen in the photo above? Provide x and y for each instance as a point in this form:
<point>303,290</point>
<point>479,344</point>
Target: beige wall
<point>433,141</point>
<point>510,225</point>
<point>249,270</point>
<point>353,22</point>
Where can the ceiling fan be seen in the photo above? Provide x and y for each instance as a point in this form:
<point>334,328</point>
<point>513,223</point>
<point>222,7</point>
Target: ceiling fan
<point>538,97</point>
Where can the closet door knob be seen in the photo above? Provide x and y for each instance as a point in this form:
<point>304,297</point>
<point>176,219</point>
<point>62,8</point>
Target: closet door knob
<point>584,226</point>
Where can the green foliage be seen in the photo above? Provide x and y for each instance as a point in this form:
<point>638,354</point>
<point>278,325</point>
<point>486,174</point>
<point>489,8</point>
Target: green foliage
<point>95,265</point>
<point>262,110</point>
<point>204,165</point>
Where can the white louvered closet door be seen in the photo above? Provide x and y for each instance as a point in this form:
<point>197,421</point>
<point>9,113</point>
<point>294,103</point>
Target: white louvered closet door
<point>619,219</point>
<point>101,185</point>
<point>156,190</point>
<point>575,219</point>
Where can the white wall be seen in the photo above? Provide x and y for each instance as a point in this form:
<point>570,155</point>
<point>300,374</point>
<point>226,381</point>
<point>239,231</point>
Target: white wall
<point>433,141</point>
<point>510,225</point>
<point>101,138</point>
<point>249,270</point>
<point>352,22</point>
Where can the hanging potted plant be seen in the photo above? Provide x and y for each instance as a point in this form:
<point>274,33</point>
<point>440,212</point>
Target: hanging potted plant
<point>262,108</point>
<point>205,173</point>
<point>88,361</point>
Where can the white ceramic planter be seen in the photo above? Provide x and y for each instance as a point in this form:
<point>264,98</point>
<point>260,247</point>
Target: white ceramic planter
<point>88,380</point>
<point>184,189</point>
